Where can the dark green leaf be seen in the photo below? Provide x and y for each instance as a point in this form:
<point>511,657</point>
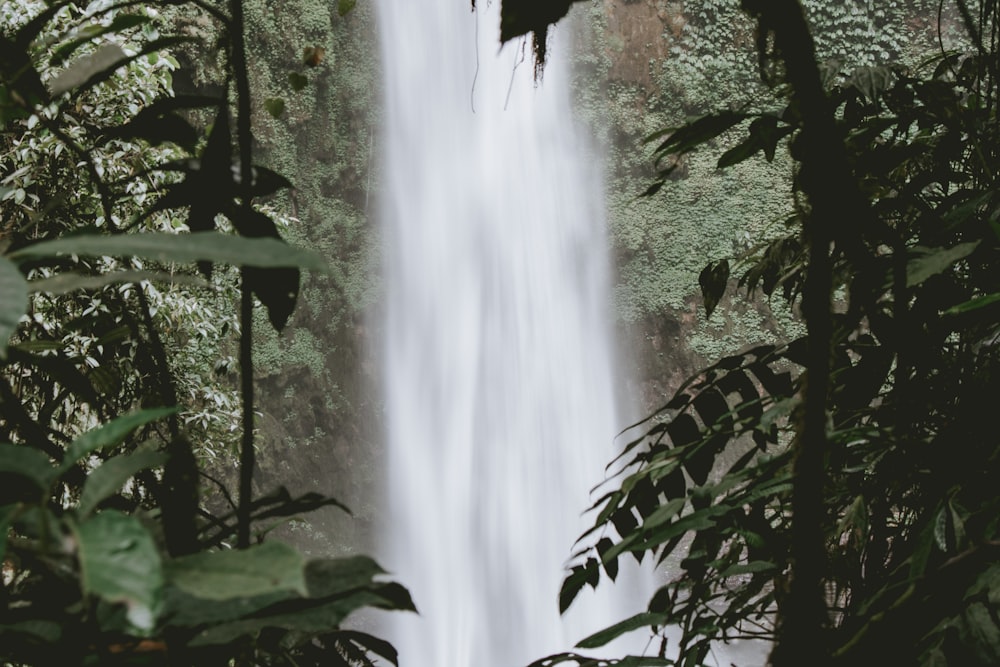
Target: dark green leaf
<point>87,72</point>
<point>88,33</point>
<point>333,576</point>
<point>266,182</point>
<point>304,615</point>
<point>927,262</point>
<point>111,475</point>
<point>752,567</point>
<point>764,136</point>
<point>108,57</point>
<point>119,563</point>
<point>371,644</point>
<point>6,516</point>
<point>185,610</point>
<point>27,462</point>
<point>275,106</point>
<point>111,434</point>
<point>64,283</point>
<point>297,81</point>
<point>974,304</point>
<point>688,137</point>
<point>636,622</point>
<point>345,6</point>
<point>13,301</point>
<point>610,564</point>
<point>157,128</point>
<point>221,575</point>
<point>872,81</point>
<point>200,246</point>
<point>572,585</point>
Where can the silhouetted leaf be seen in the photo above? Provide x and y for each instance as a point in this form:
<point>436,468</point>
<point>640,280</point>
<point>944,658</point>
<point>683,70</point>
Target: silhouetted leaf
<point>573,584</point>
<point>266,182</point>
<point>371,644</point>
<point>156,128</point>
<point>713,280</point>
<point>692,135</point>
<point>610,564</point>
<point>764,135</point>
<point>611,633</point>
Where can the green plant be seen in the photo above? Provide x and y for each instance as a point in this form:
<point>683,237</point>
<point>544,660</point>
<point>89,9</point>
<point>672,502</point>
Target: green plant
<point>108,188</point>
<point>834,494</point>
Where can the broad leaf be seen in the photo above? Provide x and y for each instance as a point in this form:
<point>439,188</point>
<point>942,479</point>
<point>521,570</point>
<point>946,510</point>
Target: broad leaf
<point>13,301</point>
<point>28,463</point>
<point>103,64</point>
<point>271,567</point>
<point>764,135</point>
<point>111,476</point>
<point>297,81</point>
<point>186,610</point>
<point>90,32</point>
<point>111,434</point>
<point>64,283</point>
<point>109,56</point>
<point>688,137</point>
<point>974,304</point>
<point>119,562</point>
<point>333,576</point>
<point>925,263</point>
<point>872,81</point>
<point>306,615</point>
<point>199,246</point>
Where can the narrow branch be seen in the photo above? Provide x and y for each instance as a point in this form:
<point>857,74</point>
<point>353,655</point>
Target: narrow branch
<point>244,141</point>
<point>833,198</point>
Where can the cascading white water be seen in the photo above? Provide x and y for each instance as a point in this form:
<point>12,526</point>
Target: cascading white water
<point>498,355</point>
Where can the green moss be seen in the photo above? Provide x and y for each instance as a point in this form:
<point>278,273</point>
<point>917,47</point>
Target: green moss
<point>663,242</point>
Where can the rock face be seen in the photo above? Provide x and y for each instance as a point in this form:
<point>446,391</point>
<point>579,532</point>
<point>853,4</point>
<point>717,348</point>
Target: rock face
<point>638,35</point>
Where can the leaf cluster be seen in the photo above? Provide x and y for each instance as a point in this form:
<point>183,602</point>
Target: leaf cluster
<point>109,556</point>
<point>908,517</point>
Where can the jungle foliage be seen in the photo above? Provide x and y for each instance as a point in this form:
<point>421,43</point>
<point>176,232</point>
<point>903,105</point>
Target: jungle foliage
<point>835,495</point>
<point>121,201</point>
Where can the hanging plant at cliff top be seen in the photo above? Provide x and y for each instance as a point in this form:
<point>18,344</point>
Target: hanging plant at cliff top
<point>520,17</point>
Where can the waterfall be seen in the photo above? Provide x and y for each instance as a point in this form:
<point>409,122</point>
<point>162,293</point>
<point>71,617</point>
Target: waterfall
<point>498,353</point>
